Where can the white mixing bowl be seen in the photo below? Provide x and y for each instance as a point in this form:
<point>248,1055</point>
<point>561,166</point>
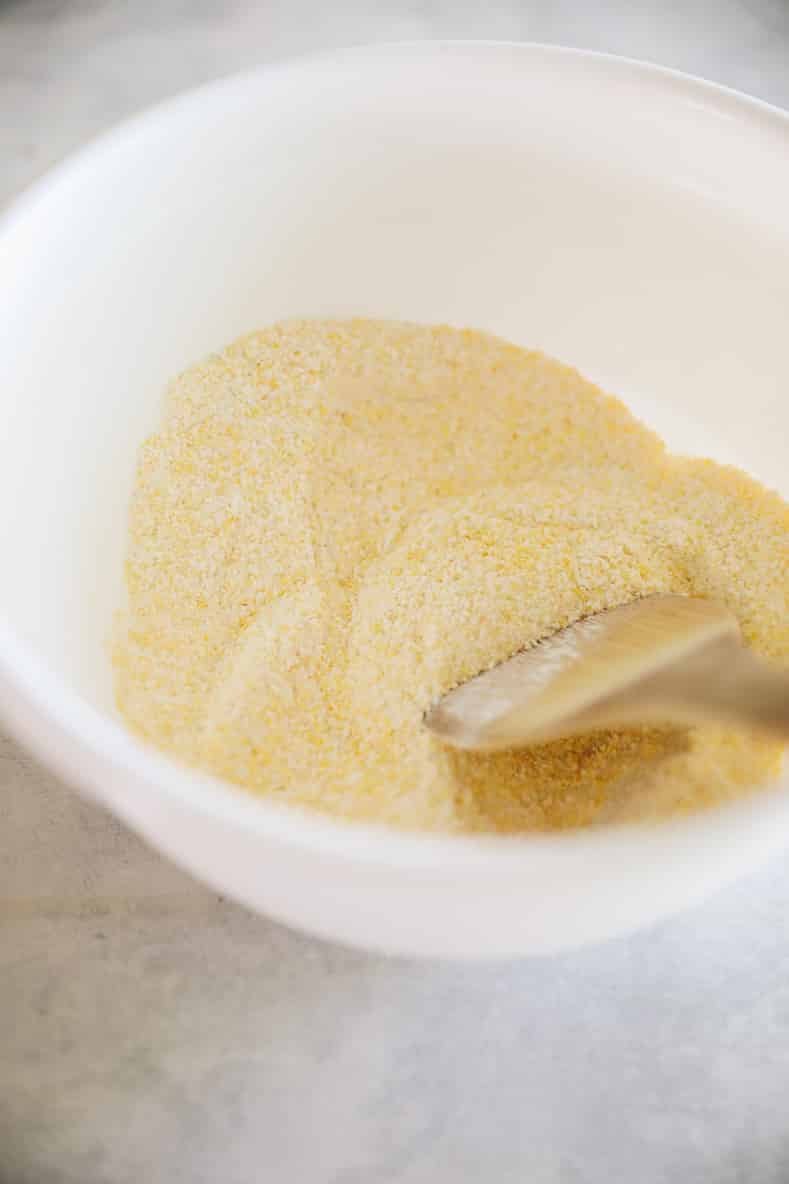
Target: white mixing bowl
<point>631,221</point>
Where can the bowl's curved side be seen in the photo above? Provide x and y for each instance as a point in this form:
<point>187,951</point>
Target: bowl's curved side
<point>413,895</point>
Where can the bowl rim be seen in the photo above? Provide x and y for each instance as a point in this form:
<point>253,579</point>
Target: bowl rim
<point>60,706</point>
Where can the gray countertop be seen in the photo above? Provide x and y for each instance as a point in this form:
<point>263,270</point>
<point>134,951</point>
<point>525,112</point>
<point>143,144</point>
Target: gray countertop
<point>152,1032</point>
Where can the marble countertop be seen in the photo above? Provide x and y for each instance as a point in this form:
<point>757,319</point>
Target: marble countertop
<point>153,1032</point>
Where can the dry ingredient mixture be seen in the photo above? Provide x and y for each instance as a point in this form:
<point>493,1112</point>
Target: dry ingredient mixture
<point>338,521</point>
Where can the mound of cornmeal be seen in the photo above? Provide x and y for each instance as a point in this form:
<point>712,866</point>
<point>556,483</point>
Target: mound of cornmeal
<point>336,522</point>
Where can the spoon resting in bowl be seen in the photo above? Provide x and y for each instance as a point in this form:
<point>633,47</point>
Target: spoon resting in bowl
<point>659,660</point>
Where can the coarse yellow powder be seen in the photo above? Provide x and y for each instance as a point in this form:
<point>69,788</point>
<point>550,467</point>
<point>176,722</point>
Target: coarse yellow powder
<point>339,521</point>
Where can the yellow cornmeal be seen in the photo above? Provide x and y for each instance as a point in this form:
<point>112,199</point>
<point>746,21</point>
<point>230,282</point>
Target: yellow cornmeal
<point>338,521</point>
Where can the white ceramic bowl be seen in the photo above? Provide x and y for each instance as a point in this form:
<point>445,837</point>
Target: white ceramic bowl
<point>631,221</point>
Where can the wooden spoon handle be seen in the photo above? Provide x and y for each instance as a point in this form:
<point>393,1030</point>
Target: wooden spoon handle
<point>723,682</point>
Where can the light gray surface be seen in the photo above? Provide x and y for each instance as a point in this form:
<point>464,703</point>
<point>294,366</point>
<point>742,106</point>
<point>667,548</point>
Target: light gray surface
<point>151,1032</point>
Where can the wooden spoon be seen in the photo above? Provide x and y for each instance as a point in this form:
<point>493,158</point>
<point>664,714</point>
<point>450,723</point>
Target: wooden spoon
<point>660,660</point>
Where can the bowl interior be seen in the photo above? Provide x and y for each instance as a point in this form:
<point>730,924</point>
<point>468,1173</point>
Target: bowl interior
<point>630,222</point>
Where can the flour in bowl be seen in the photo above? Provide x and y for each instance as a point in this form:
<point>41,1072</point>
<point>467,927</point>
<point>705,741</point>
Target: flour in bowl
<point>336,522</point>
